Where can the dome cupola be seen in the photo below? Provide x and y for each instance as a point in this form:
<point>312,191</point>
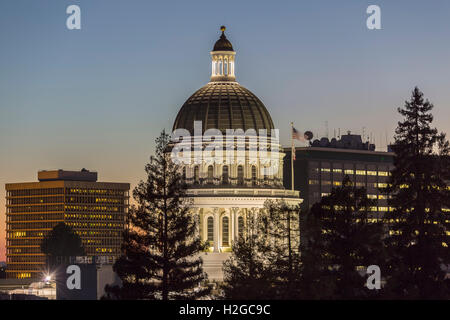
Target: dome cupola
<point>222,59</point>
<point>223,103</point>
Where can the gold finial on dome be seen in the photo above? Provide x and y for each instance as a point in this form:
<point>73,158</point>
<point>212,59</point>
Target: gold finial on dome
<point>223,28</point>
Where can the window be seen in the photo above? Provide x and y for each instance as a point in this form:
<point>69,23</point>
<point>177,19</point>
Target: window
<point>210,227</point>
<point>196,175</point>
<point>240,172</point>
<point>240,226</point>
<point>225,232</point>
<point>210,174</point>
<point>184,173</point>
<point>254,175</point>
<point>225,176</point>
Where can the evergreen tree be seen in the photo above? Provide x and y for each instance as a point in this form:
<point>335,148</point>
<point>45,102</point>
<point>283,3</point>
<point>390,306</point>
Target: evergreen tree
<point>340,244</point>
<point>280,225</point>
<point>161,244</point>
<point>247,273</point>
<point>61,243</point>
<point>418,245</point>
<point>265,260</point>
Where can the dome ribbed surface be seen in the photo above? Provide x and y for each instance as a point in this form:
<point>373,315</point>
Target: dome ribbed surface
<point>224,105</point>
<point>223,44</point>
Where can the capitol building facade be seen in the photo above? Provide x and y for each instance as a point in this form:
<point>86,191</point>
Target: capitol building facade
<point>245,168</point>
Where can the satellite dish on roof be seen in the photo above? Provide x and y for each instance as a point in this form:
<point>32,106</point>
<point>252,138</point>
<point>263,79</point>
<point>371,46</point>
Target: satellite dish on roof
<point>308,135</point>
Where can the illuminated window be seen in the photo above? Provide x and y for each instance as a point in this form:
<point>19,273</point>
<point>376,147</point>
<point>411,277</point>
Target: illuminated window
<point>240,172</point>
<point>371,173</point>
<point>225,231</point>
<point>348,171</point>
<point>225,175</point>
<point>196,174</point>
<point>210,226</point>
<point>254,175</point>
<point>210,174</point>
<point>361,172</point>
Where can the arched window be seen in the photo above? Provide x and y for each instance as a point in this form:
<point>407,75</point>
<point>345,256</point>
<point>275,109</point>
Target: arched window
<point>266,176</point>
<point>225,232</point>
<point>184,173</point>
<point>225,176</point>
<point>210,228</point>
<point>240,226</point>
<point>240,172</point>
<point>210,174</point>
<point>196,175</point>
<point>254,175</point>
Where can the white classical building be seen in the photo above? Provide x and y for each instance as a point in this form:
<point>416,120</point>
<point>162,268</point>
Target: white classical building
<point>235,181</point>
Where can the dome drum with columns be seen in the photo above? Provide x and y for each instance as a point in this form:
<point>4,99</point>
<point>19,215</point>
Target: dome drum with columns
<point>224,192</point>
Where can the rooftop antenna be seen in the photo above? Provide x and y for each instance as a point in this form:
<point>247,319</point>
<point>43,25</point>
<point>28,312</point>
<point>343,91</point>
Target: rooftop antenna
<point>339,133</point>
<point>326,129</point>
<point>363,133</point>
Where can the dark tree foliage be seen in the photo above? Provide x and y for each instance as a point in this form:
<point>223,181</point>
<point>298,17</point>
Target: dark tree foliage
<point>247,273</point>
<point>418,245</point>
<point>265,260</point>
<point>2,272</point>
<point>161,244</point>
<point>340,244</point>
<point>60,243</point>
<point>280,224</point>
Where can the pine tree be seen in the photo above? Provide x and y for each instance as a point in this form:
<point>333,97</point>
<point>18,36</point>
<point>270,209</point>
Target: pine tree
<point>418,245</point>
<point>341,243</point>
<point>265,260</point>
<point>280,225</point>
<point>247,273</point>
<point>161,244</point>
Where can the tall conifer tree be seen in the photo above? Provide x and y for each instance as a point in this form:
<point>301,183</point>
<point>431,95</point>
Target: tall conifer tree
<point>340,244</point>
<point>420,197</point>
<point>161,244</point>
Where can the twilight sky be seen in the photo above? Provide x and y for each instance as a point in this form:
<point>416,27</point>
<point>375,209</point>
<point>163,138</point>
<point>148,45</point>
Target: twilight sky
<point>97,97</point>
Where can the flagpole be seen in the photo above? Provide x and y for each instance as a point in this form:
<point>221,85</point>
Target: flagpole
<point>292,156</point>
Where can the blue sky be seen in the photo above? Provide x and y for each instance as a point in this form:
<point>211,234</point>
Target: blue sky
<point>97,97</point>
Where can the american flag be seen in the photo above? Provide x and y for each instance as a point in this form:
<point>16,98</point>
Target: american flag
<point>297,135</point>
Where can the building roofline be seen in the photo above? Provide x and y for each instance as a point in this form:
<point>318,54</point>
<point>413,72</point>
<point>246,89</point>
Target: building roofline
<point>368,152</point>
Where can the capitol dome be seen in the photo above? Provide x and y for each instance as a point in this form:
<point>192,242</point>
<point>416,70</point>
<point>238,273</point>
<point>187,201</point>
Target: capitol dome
<point>223,103</point>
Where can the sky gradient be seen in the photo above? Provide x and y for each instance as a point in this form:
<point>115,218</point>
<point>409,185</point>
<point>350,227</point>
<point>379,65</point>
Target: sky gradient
<point>96,98</point>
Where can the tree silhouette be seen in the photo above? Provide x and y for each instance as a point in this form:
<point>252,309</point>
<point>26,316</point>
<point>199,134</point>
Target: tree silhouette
<point>340,244</point>
<point>265,259</point>
<point>418,244</point>
<point>161,243</point>
<point>60,243</point>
